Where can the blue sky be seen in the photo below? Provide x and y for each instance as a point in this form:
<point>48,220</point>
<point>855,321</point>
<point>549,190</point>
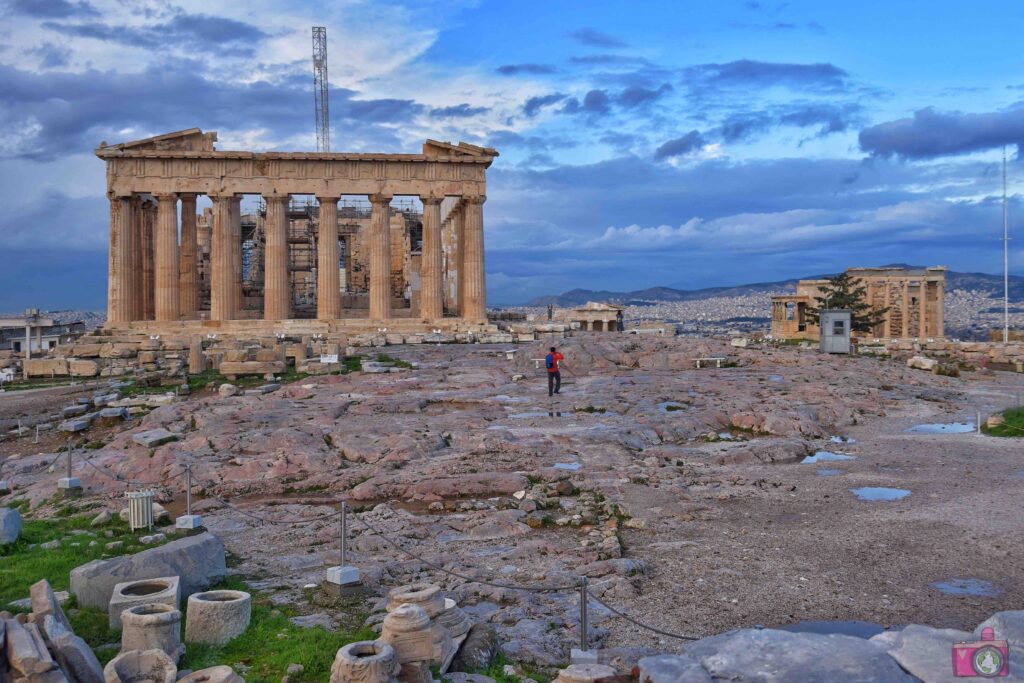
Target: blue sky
<point>642,143</point>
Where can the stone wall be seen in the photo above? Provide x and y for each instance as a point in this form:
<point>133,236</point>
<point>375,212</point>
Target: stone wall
<point>997,355</point>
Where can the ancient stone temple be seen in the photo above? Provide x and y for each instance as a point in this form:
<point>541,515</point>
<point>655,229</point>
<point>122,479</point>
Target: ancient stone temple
<point>914,299</point>
<point>344,241</point>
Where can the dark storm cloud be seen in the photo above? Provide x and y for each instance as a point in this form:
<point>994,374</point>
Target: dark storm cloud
<point>202,32</point>
<point>752,73</point>
<point>458,111</point>
<point>931,133</point>
<point>72,112</point>
<point>514,69</point>
<point>681,146</point>
<point>535,104</point>
<point>52,9</point>
<point>595,38</point>
<point>831,118</point>
<point>596,102</point>
<point>636,95</point>
<point>51,56</point>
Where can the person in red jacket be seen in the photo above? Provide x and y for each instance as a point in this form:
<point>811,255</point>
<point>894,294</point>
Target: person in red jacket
<point>551,362</point>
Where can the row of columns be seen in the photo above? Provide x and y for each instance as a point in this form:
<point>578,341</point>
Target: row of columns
<point>151,277</point>
<point>888,288</point>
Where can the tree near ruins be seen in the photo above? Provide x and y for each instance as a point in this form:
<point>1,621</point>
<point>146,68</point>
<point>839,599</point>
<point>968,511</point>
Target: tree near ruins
<point>847,293</point>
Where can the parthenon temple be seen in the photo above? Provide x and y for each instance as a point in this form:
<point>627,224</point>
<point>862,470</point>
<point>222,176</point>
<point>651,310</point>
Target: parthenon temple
<point>390,239</point>
<point>913,300</point>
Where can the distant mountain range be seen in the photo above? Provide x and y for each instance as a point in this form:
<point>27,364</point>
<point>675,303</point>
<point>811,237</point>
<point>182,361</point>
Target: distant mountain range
<point>973,282</point>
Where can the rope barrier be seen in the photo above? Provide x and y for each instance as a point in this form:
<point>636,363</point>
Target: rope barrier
<point>633,621</point>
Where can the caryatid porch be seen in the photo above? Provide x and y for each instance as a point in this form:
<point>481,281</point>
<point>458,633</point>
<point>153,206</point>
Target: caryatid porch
<point>154,275</point>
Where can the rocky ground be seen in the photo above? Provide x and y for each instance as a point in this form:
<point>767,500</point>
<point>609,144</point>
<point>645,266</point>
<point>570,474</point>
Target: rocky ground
<point>679,492</point>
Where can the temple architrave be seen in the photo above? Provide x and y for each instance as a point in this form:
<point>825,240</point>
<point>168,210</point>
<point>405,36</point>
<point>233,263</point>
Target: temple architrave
<point>915,298</point>
<point>391,240</point>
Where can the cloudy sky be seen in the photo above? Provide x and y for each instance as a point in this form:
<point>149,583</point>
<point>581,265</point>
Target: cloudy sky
<point>643,143</point>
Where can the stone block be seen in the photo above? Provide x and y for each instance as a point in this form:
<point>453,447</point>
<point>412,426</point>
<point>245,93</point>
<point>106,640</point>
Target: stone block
<point>189,522</point>
<point>69,483</point>
<point>45,603</point>
<point>365,661</point>
<point>165,590</point>
<point>76,659</point>
<point>227,390</point>
<point>78,424</point>
<point>114,413</point>
<point>213,674</point>
<point>215,617</point>
<point>138,666</point>
<point>83,368</point>
<point>578,656</point>
<point>118,350</point>
<point>87,350</point>
<point>74,411</point>
<point>343,576</point>
<point>26,650</point>
<point>10,525</point>
<point>46,367</point>
<point>152,438</point>
<point>266,355</point>
<point>146,356</point>
<point>235,356</point>
<point>233,368</point>
<point>198,560</point>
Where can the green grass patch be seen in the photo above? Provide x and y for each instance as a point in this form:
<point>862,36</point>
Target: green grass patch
<point>211,379</point>
<point>592,409</point>
<point>385,358</point>
<point>36,383</point>
<point>1014,425</point>
<point>353,364</point>
<point>496,670</point>
<point>272,642</point>
<point>21,565</point>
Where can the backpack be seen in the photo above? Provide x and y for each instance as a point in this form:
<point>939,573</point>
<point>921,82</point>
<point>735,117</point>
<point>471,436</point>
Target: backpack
<point>549,361</point>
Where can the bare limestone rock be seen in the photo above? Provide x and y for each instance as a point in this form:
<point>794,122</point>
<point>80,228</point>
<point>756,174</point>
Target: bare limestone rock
<point>153,626</point>
<point>141,666</point>
<point>365,661</point>
<point>10,525</point>
<point>227,390</point>
<point>1007,625</point>
<point>215,617</point>
<point>198,560</point>
<point>478,650</point>
<point>670,669</point>
<point>76,658</point>
<point>213,674</point>
<point>922,363</point>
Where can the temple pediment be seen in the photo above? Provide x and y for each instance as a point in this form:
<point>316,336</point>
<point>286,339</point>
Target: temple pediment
<point>435,148</point>
<point>188,140</point>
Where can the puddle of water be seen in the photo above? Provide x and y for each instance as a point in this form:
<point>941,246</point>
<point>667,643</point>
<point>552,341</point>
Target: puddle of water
<point>571,466</point>
<point>940,428</point>
<point>670,406</point>
<point>826,456</point>
<point>775,378</point>
<point>828,472</point>
<point>535,413</point>
<point>879,493</point>
<point>504,398</point>
<point>725,436</point>
<point>843,439</point>
<point>859,629</point>
<point>975,587</point>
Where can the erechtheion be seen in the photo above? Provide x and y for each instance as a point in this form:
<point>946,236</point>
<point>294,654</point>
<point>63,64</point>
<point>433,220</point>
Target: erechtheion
<point>335,265</point>
<point>914,297</point>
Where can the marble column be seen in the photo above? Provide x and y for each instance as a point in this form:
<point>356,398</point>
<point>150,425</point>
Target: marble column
<point>277,295</point>
<point>188,274</point>
<point>165,259</point>
<point>940,306</point>
<point>431,277</point>
<point>135,258</point>
<point>887,318</point>
<point>922,323</point>
<point>328,282</point>
<point>221,297</point>
<point>148,270</point>
<point>119,276</point>
<point>475,292</point>
<point>380,257</point>
<point>458,225</point>
<point>235,254</point>
<point>906,309</point>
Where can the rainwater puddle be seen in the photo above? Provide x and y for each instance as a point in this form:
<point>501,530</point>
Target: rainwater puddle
<point>843,439</point>
<point>571,466</point>
<point>725,436</point>
<point>828,472</point>
<point>858,629</point>
<point>975,587</point>
<point>670,406</point>
<point>826,456</point>
<point>879,493</point>
<point>775,378</point>
<point>941,428</point>
<point>503,398</point>
<point>535,413</point>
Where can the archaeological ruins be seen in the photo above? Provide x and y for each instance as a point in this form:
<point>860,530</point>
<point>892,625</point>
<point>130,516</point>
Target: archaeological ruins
<point>914,297</point>
<point>392,240</point>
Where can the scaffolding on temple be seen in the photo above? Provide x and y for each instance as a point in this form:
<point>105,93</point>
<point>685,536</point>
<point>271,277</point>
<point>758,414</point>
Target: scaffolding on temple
<point>320,93</point>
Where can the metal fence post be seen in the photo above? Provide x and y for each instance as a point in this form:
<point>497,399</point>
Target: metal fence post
<point>188,490</point>
<point>344,534</point>
<point>583,614</point>
<point>69,458</point>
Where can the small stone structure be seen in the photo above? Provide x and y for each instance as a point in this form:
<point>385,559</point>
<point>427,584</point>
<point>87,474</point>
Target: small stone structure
<point>365,661</point>
<point>165,590</point>
<point>153,626</point>
<point>215,617</point>
<point>585,673</point>
<point>408,630</point>
<point>429,598</point>
<point>914,297</point>
<point>213,674</point>
<point>596,316</point>
<point>141,666</point>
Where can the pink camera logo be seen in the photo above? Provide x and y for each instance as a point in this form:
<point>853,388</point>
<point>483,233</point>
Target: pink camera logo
<point>986,658</point>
